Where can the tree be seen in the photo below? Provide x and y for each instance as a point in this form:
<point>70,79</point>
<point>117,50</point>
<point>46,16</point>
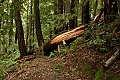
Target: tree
<point>37,23</point>
<point>31,26</point>
<point>73,21</point>
<point>20,33</point>
<point>85,12</point>
<point>110,10</point>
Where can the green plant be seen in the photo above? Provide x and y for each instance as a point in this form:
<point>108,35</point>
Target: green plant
<point>3,73</point>
<point>99,74</point>
<point>87,69</point>
<point>58,68</point>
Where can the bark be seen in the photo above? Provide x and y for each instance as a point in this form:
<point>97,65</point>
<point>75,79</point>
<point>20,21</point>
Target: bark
<point>37,23</point>
<point>60,12</point>
<point>110,10</point>
<point>95,8</point>
<point>31,28</point>
<point>73,21</point>
<point>119,6</point>
<point>112,58</point>
<point>98,15</point>
<point>60,6</point>
<point>11,28</point>
<point>85,13</point>
<point>18,21</point>
<point>68,37</point>
<point>27,26</point>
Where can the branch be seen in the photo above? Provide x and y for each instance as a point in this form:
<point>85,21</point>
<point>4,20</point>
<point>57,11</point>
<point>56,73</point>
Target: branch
<point>112,59</point>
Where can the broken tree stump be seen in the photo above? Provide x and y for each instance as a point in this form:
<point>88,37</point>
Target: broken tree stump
<point>66,37</point>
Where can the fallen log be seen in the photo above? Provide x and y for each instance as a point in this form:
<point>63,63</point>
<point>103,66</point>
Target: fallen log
<point>64,38</point>
<point>67,37</point>
<point>112,59</point>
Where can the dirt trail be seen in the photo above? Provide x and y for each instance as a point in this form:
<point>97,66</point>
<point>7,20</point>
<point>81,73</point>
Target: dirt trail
<point>79,65</point>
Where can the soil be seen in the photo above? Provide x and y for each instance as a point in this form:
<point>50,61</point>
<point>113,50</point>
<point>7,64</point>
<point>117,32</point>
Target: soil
<point>81,64</point>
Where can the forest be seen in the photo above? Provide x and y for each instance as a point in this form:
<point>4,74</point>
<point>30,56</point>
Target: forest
<point>60,39</point>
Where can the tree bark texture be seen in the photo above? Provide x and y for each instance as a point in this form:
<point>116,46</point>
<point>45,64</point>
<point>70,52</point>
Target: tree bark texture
<point>31,27</point>
<point>110,10</point>
<point>37,23</point>
<point>20,33</point>
<point>60,6</point>
<point>73,21</point>
<point>85,13</point>
<point>60,12</point>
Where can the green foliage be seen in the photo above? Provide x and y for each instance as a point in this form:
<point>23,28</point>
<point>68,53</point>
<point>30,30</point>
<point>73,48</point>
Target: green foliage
<point>58,68</point>
<point>88,32</point>
<point>97,41</point>
<point>99,74</point>
<point>52,55</point>
<point>87,69</point>
<point>116,78</point>
<point>2,73</point>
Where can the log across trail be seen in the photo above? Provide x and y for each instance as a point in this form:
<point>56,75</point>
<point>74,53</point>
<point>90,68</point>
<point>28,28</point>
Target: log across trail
<point>64,38</point>
<point>68,37</point>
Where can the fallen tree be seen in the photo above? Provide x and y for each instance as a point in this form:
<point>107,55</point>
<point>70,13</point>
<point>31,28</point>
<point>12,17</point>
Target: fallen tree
<point>67,37</point>
<point>64,38</point>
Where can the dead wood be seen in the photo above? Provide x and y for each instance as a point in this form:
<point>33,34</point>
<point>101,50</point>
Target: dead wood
<point>98,15</point>
<point>66,37</point>
<point>112,59</point>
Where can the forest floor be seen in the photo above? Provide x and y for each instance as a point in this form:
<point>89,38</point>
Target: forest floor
<point>81,64</point>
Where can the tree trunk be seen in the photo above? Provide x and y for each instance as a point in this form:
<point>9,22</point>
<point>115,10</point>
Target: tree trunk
<point>95,8</point>
<point>73,21</point>
<point>37,23</point>
<point>60,12</point>
<point>110,10</point>
<point>31,27</point>
<point>11,28</point>
<point>85,12</point>
<point>27,25</point>
<point>18,21</point>
<point>60,6</point>
<point>119,6</point>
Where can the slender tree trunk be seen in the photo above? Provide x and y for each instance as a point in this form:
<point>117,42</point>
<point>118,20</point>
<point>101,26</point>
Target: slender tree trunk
<point>18,21</point>
<point>119,6</point>
<point>60,6</point>
<point>95,8</point>
<point>27,26</point>
<point>37,23</point>
<point>110,10</point>
<point>31,26</point>
<point>60,12</point>
<point>73,21</point>
<point>55,13</point>
<point>85,12</point>
<point>11,28</point>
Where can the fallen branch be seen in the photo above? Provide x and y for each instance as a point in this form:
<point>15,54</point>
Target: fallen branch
<point>112,59</point>
<point>64,38</point>
<point>98,15</point>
